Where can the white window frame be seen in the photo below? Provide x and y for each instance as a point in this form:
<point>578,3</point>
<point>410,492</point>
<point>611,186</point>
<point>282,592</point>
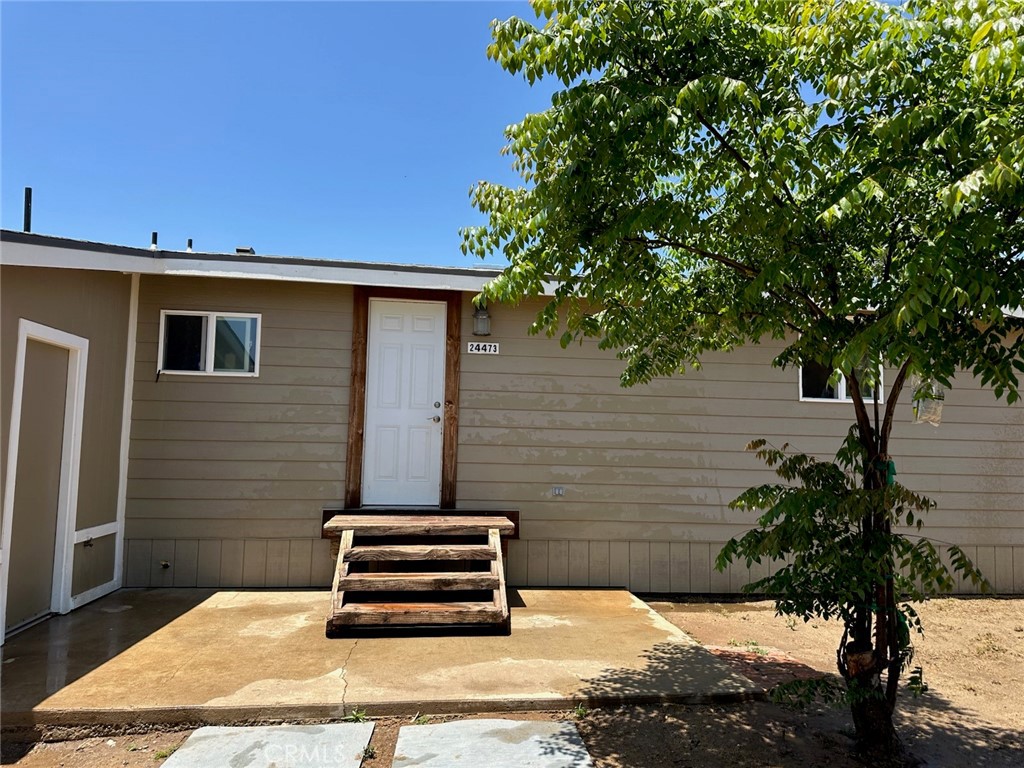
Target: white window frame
<point>211,330</point>
<point>842,396</point>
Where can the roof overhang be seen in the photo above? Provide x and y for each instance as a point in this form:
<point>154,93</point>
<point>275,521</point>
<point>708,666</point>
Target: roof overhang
<point>31,250</point>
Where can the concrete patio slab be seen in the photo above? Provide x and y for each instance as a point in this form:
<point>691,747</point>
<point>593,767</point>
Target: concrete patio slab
<point>339,745</point>
<point>491,743</point>
<point>190,656</point>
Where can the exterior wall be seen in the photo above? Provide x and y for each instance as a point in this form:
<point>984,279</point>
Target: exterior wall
<point>647,472</point>
<point>228,477</point>
<point>93,305</point>
<point>34,522</point>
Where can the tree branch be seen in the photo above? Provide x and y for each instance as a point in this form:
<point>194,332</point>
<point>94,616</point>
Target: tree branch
<point>723,142</point>
<point>867,434</point>
<point>890,406</point>
<point>738,266</point>
<point>890,251</point>
<point>658,242</point>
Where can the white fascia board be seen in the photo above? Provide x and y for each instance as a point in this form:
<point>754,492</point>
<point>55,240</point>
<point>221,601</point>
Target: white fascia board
<point>15,254</point>
<point>346,275</point>
<point>304,273</point>
<point>34,255</point>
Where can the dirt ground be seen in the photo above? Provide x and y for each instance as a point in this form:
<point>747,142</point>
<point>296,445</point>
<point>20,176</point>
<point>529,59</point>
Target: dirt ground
<point>971,656</point>
<point>972,713</point>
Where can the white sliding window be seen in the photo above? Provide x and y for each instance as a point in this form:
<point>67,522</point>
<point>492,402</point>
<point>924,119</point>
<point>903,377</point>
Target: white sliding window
<point>819,384</point>
<point>209,343</point>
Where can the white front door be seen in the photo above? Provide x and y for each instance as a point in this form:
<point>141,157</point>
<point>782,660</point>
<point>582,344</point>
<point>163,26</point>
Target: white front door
<point>404,402</point>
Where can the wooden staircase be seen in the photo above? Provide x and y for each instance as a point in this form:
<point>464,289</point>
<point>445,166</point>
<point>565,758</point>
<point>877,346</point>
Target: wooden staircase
<point>417,569</point>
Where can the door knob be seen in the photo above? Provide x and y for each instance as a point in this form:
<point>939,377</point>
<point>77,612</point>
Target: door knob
<point>435,419</point>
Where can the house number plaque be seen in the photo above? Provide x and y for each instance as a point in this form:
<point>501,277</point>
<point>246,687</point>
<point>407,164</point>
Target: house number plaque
<point>482,348</point>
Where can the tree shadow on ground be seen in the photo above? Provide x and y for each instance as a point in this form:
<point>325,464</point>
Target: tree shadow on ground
<point>761,733</point>
<point>766,667</point>
<point>942,733</point>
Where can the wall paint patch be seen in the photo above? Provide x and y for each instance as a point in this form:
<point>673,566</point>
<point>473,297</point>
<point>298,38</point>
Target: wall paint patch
<point>482,348</point>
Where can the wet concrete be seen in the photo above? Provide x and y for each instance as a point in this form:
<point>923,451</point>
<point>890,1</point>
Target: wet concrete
<point>166,656</point>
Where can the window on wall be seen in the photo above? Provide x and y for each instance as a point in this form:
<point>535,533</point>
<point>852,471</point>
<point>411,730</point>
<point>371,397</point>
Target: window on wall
<point>816,383</point>
<point>209,343</point>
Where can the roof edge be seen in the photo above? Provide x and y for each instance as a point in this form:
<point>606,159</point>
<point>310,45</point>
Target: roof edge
<point>54,241</point>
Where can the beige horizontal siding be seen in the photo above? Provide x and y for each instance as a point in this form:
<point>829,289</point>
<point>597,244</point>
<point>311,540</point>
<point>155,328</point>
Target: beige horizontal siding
<point>160,429</point>
<point>502,438</point>
<point>244,526</point>
<point>647,472</point>
<point>227,488</point>
<point>174,391</point>
<point>252,563</point>
<point>239,450</point>
<point>689,567</point>
<point>93,305</point>
<point>736,458</point>
<point>293,469</point>
<point>769,425</point>
<point>228,477</point>
<point>218,461</point>
<point>641,408</point>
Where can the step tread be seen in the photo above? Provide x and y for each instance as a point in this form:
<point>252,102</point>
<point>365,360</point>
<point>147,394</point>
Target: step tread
<point>423,525</point>
<point>420,552</point>
<point>418,613</point>
<point>441,580</point>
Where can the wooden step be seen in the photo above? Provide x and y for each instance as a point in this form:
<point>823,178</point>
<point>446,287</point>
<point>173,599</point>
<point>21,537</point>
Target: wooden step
<point>417,613</point>
<point>398,582</point>
<point>421,552</point>
<point>388,596</point>
<point>418,525</point>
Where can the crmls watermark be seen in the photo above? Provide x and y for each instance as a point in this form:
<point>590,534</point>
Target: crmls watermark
<point>284,755</point>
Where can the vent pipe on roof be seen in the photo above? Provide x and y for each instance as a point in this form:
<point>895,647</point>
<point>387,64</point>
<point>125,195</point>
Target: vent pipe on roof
<point>188,248</point>
<point>28,209</point>
<point>152,244</point>
<point>246,249</point>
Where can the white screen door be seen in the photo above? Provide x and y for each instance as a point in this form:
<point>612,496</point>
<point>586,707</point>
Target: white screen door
<point>404,403</point>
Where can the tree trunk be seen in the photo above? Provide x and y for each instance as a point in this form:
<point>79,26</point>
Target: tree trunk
<point>870,653</point>
<point>872,713</point>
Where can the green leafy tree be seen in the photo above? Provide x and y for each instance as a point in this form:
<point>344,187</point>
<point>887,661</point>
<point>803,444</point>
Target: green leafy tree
<point>811,526</point>
<point>843,176</point>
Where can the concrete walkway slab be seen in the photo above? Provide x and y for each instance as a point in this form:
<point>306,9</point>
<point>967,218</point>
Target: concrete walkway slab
<point>340,745</point>
<point>491,744</point>
<point>227,657</point>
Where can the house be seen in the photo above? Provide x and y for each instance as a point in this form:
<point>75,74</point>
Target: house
<point>184,419</point>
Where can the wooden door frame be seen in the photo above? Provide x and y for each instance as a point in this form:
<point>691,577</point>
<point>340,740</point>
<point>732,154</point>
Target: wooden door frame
<point>77,348</point>
<point>357,387</point>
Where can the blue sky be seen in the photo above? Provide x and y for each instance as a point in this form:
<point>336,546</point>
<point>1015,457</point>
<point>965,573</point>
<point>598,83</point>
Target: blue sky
<point>347,130</point>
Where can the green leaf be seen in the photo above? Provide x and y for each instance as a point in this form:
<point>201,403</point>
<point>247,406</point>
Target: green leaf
<point>981,32</point>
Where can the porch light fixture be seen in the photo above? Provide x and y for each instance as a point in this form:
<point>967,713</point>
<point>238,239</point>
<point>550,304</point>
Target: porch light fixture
<point>481,321</point>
